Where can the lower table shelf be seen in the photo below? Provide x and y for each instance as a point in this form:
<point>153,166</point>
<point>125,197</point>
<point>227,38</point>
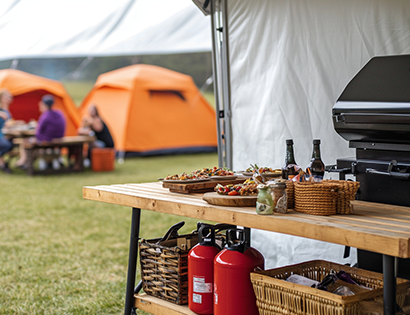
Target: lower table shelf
<point>157,306</point>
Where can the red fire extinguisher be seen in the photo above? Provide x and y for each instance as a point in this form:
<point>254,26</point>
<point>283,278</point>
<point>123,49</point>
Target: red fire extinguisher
<point>201,271</point>
<point>233,290</point>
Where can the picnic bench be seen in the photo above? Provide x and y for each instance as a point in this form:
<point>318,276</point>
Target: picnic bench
<point>73,146</point>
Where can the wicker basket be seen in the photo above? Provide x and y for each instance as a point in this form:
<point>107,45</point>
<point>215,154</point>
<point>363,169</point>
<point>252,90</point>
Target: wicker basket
<point>315,198</point>
<point>346,192</point>
<point>164,269</point>
<point>276,296</point>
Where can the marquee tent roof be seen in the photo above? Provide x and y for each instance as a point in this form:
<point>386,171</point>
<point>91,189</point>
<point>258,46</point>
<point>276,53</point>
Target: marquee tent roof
<point>77,28</point>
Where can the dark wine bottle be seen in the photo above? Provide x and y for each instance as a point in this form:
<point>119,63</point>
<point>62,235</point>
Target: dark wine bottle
<point>288,170</point>
<point>316,167</point>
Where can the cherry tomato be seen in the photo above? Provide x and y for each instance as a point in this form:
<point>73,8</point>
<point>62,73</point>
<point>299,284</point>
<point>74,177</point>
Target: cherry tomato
<point>233,193</point>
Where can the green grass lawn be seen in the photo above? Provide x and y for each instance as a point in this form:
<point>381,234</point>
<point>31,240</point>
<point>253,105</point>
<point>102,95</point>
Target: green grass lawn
<point>61,254</point>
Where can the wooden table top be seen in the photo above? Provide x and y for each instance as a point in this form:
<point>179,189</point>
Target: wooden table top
<point>19,132</point>
<point>375,227</point>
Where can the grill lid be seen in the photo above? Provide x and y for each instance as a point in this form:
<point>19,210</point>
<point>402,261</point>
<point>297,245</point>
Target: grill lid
<point>375,105</point>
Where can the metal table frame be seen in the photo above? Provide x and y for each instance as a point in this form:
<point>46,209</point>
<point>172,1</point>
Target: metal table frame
<point>389,275</point>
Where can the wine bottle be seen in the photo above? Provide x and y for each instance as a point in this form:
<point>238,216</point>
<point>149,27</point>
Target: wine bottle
<point>316,167</point>
<point>288,170</point>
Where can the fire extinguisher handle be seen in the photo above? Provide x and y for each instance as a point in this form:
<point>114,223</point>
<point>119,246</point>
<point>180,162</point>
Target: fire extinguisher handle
<point>208,238</point>
<point>223,226</point>
<point>218,227</point>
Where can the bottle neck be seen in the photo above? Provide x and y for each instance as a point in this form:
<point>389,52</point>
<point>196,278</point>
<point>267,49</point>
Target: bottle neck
<point>290,156</point>
<point>316,151</point>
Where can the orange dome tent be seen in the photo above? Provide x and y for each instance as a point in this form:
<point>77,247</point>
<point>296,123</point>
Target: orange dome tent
<point>152,110</point>
<point>28,89</point>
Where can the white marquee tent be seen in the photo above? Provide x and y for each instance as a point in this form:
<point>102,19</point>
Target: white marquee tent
<point>78,28</point>
<point>289,60</point>
<point>288,63</point>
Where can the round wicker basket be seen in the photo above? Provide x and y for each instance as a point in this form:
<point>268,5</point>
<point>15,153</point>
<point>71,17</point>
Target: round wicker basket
<point>316,198</point>
<point>347,190</point>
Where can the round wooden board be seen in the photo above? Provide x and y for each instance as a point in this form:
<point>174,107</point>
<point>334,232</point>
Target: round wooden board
<point>233,201</point>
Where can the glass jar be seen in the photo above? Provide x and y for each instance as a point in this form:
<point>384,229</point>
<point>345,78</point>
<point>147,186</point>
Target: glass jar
<point>264,202</point>
<point>279,197</point>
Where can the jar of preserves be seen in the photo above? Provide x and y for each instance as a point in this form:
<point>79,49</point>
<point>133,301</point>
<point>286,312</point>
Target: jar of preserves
<point>264,202</point>
<point>279,196</point>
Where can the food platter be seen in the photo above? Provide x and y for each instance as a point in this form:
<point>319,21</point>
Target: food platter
<point>269,174</point>
<point>228,177</point>
<point>265,174</point>
<point>185,181</point>
<point>214,198</point>
<point>247,173</point>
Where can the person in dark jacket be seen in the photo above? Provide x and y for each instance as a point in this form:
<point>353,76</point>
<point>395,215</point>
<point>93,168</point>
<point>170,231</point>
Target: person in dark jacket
<point>95,126</point>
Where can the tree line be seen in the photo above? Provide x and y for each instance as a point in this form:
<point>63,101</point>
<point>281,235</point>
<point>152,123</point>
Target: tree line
<point>197,65</point>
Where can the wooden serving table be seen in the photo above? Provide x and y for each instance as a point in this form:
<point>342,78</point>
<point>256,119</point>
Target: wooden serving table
<point>379,228</point>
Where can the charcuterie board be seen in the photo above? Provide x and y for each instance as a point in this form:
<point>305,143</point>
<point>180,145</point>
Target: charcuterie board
<point>233,201</point>
<point>196,187</point>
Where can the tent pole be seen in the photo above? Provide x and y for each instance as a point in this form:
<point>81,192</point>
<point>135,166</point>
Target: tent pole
<point>77,72</point>
<point>226,80</point>
<point>121,156</point>
<point>14,64</point>
<point>207,83</point>
<point>219,120</point>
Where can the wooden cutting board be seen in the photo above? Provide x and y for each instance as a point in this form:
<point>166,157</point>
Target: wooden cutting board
<point>200,187</point>
<point>233,201</point>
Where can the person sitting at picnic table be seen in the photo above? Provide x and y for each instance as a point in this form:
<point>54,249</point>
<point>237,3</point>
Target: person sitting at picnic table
<point>95,126</point>
<point>5,144</point>
<point>51,125</point>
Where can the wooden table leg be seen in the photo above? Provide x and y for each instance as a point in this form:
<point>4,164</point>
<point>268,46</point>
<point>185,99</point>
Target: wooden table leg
<point>132,261</point>
<point>80,158</point>
<point>77,151</point>
<point>30,162</point>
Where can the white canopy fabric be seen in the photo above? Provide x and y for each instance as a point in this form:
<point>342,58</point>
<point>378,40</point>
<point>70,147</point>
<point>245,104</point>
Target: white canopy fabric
<point>78,28</point>
<point>289,62</point>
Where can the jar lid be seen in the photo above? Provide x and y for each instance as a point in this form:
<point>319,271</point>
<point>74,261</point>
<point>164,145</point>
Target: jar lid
<point>281,185</point>
<point>262,186</point>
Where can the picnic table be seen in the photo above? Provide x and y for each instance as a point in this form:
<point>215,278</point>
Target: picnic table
<point>19,131</point>
<point>380,228</point>
<point>73,144</point>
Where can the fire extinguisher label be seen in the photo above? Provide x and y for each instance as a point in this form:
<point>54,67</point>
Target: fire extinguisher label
<point>200,286</point>
<point>197,298</point>
<point>215,294</point>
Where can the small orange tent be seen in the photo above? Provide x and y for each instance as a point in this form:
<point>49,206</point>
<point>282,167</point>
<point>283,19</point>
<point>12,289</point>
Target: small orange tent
<point>152,110</point>
<point>28,89</point>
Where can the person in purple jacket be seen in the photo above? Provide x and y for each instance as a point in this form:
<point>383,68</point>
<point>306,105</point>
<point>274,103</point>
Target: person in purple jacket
<point>51,125</point>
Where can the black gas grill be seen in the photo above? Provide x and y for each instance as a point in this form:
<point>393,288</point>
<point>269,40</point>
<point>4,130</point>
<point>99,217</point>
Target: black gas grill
<point>373,114</point>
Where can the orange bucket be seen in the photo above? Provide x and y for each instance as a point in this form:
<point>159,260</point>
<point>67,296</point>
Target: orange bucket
<point>102,159</point>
